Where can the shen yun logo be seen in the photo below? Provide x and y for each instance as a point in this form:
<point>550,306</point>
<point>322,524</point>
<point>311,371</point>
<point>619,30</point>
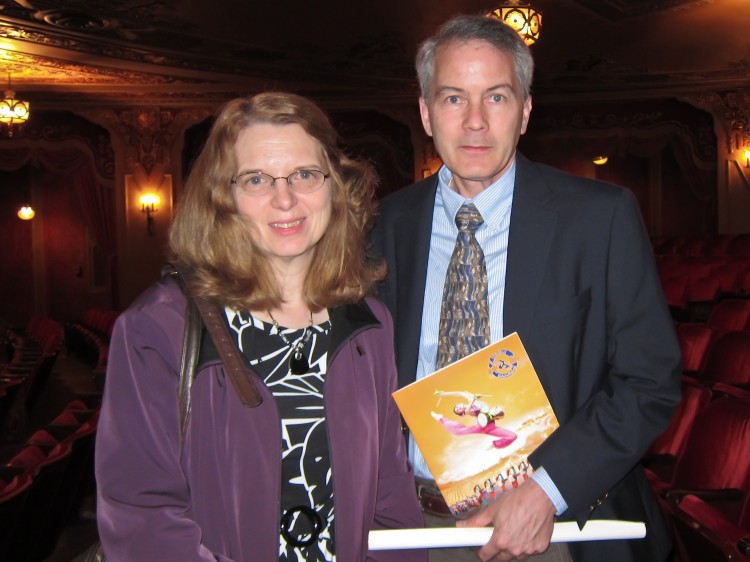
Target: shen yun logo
<point>502,364</point>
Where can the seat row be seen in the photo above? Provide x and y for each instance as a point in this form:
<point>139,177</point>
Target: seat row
<point>43,485</point>
<point>692,286</point>
<point>719,349</point>
<point>734,245</point>
<point>699,470</point>
<point>32,353</point>
<point>89,338</point>
<point>40,337</point>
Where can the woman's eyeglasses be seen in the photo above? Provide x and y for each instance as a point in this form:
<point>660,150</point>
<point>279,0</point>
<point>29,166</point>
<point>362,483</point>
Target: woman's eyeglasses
<point>301,181</point>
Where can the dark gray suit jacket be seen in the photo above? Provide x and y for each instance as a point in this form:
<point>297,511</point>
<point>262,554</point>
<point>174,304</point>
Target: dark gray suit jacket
<point>582,291</point>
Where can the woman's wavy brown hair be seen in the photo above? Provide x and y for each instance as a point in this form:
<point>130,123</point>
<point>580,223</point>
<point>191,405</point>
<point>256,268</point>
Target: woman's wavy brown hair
<point>213,241</point>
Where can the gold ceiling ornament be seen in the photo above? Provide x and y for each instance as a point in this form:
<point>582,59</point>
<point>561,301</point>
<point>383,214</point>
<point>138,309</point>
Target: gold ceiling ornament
<point>520,16</point>
<point>13,111</point>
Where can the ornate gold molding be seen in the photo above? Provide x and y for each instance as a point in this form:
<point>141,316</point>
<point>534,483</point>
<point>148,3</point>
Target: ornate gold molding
<point>148,134</point>
<point>732,111</point>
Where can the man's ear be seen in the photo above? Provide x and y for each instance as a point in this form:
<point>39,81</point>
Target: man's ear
<point>424,112</point>
<point>526,114</point>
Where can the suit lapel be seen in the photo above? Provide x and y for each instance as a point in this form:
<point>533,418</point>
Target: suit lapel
<point>412,231</point>
<point>532,229</point>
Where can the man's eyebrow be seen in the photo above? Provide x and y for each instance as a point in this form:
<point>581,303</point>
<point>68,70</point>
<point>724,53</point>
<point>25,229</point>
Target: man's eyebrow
<point>449,89</point>
<point>501,86</point>
<point>442,90</point>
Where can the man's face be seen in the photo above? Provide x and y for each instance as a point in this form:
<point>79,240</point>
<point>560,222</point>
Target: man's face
<point>475,113</point>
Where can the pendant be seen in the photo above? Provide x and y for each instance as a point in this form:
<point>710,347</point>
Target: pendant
<point>298,364</point>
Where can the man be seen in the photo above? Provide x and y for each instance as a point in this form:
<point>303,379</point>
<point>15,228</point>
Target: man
<point>568,266</point>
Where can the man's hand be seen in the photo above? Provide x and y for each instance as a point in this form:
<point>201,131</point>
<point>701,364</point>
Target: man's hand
<point>523,520</point>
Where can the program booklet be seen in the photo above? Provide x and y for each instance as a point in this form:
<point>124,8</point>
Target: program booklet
<point>477,420</point>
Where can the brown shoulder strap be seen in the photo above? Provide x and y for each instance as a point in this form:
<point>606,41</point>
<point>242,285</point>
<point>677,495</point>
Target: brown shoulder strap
<point>234,361</point>
<point>191,345</point>
<point>199,312</point>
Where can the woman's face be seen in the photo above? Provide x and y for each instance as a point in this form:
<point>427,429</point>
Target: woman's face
<point>287,225</point>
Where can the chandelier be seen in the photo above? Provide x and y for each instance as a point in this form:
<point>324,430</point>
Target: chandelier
<point>13,111</point>
<point>524,19</point>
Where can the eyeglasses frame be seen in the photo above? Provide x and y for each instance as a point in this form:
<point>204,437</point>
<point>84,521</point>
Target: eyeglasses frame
<point>273,180</point>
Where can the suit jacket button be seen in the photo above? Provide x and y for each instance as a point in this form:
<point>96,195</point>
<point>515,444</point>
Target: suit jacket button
<point>599,502</point>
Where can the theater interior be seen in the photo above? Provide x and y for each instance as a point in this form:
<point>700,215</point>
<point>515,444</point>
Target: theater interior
<point>117,97</point>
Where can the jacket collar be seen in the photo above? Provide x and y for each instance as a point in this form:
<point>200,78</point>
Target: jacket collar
<point>346,321</point>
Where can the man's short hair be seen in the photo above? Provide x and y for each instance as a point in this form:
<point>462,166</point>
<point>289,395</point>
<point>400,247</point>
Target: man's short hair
<point>465,28</point>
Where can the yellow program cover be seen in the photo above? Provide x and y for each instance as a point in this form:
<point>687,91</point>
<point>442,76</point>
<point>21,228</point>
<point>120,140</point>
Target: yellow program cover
<point>477,420</point>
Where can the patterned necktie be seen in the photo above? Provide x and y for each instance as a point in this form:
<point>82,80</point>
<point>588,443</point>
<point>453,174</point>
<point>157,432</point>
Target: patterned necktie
<point>464,314</point>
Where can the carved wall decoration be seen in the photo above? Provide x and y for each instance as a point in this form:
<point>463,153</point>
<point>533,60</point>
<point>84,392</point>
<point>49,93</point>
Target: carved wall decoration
<point>732,111</point>
<point>147,133</point>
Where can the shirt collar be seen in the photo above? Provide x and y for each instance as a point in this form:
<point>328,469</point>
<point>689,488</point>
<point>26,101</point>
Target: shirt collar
<point>493,203</point>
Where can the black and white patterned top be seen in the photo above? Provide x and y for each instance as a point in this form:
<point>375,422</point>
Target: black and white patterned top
<point>305,465</point>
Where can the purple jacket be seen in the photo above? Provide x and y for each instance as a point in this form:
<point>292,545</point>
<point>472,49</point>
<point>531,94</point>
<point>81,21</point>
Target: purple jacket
<point>220,499</point>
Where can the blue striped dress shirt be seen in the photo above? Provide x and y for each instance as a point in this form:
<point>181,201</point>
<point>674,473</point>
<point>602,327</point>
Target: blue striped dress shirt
<point>494,204</point>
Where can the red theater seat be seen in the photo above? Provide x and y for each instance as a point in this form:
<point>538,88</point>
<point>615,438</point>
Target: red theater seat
<point>728,276</point>
<point>728,359</point>
<point>716,455</point>
<point>702,295</point>
<point>46,465</point>
<point>695,396</point>
<point>704,533</point>
<point>730,315</point>
<point>694,341</point>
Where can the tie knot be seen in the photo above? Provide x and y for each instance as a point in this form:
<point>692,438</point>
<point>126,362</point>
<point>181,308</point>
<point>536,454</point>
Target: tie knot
<point>468,218</point>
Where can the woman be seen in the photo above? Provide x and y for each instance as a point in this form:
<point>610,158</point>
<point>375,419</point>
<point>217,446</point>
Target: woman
<point>272,227</point>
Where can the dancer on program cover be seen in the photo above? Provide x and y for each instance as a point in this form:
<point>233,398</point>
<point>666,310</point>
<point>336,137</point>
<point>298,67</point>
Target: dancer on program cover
<point>485,419</point>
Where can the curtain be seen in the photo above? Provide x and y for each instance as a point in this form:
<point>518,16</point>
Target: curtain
<point>95,193</point>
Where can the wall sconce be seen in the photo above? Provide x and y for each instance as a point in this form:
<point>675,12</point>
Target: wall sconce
<point>26,213</point>
<point>600,160</point>
<point>149,205</point>
<point>747,158</point>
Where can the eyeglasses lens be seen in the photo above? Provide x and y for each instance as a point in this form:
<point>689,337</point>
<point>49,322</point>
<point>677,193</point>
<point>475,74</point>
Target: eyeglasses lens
<point>301,181</point>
